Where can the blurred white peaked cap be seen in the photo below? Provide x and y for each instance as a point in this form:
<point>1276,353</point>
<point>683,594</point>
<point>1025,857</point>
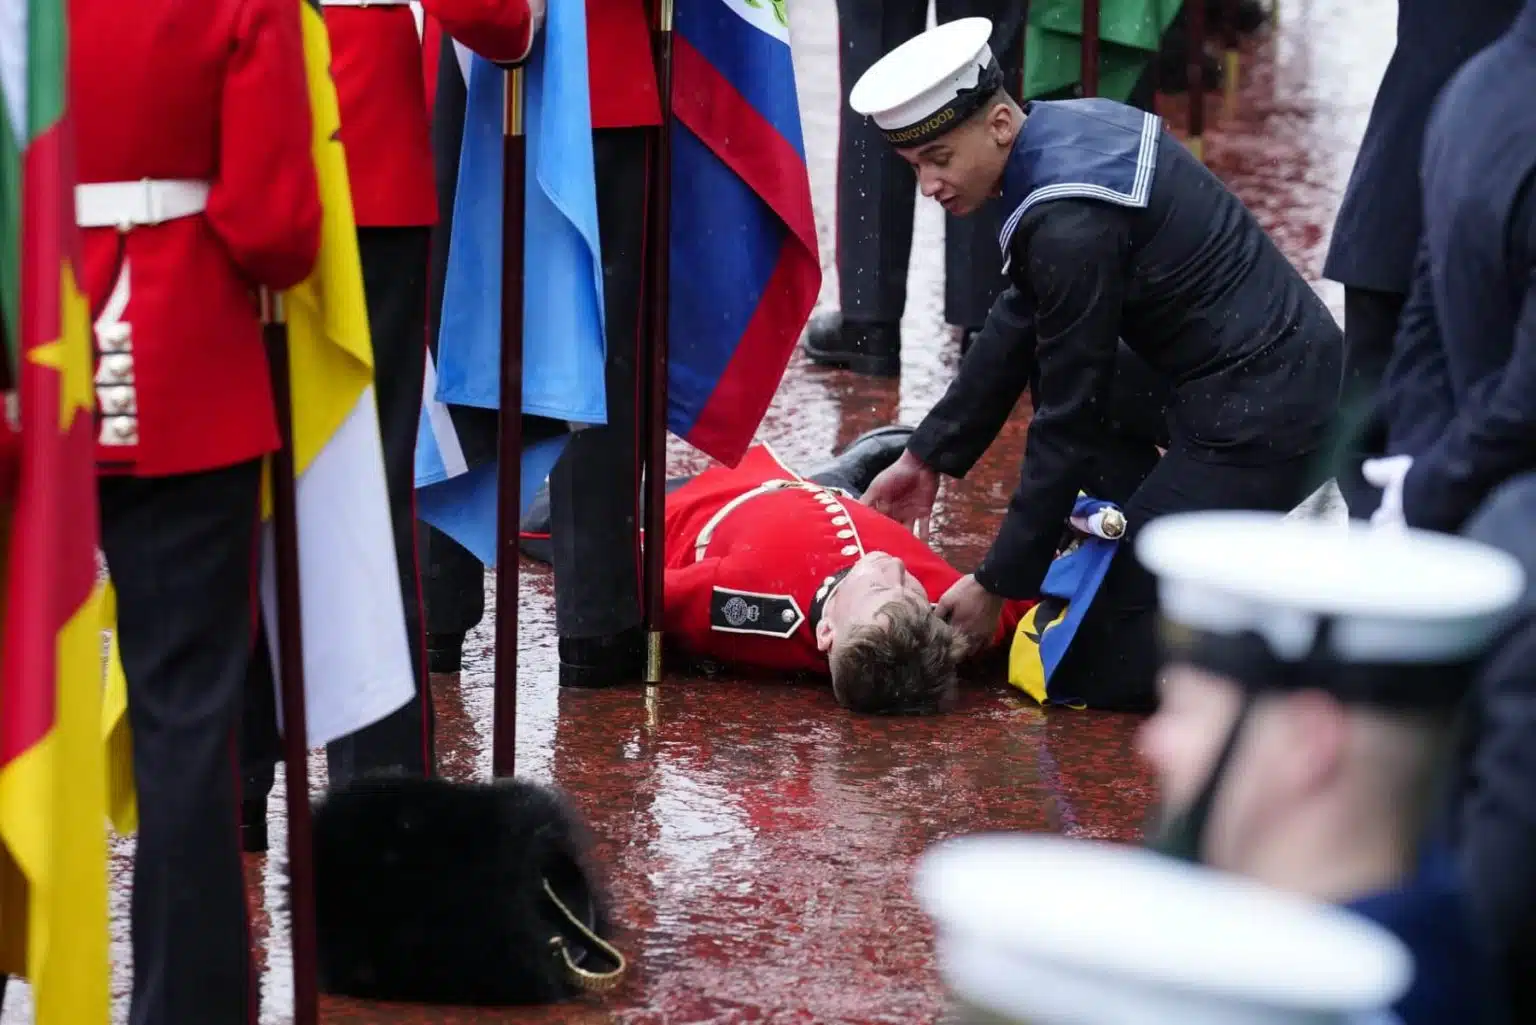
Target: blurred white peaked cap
<point>1052,931</point>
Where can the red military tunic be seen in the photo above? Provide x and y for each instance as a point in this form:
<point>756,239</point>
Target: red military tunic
<point>761,534</point>
<point>212,92</point>
<point>376,58</point>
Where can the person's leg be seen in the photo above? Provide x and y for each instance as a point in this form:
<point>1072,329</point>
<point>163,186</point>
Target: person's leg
<point>1112,663</point>
<point>182,555</point>
<point>453,596</point>
<point>594,487</point>
<point>1370,325</point>
<point>395,285</point>
<point>261,745</point>
<point>876,192</point>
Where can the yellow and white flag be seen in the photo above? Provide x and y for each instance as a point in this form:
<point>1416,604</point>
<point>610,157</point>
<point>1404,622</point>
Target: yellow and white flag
<point>357,661</point>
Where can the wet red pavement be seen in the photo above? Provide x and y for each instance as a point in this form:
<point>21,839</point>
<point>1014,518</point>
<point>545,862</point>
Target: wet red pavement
<point>759,841</point>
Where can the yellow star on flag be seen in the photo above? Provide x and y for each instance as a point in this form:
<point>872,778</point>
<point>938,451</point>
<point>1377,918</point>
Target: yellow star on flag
<point>70,353</point>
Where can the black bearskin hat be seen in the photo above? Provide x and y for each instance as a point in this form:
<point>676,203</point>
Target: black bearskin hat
<point>451,893</point>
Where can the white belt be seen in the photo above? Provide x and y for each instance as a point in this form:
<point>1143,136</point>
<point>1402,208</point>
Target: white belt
<point>132,204</point>
<point>364,3</point>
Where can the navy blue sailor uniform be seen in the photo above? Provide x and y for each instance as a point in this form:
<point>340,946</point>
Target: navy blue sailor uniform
<point>1393,627</point>
<point>1459,394</point>
<point>1118,232</point>
<point>1376,232</point>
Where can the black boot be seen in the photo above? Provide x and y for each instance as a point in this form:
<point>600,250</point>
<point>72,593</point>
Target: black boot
<point>609,661</point>
<point>861,462</point>
<point>865,348</point>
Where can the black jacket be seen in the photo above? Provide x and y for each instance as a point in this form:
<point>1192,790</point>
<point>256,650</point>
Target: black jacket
<point>1119,232</point>
<point>1460,391</point>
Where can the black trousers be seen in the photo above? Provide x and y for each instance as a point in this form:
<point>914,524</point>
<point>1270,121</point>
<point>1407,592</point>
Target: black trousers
<point>395,286</point>
<point>1112,663</point>
<point>594,487</point>
<point>876,191</point>
<point>182,554</point>
<point>1370,325</point>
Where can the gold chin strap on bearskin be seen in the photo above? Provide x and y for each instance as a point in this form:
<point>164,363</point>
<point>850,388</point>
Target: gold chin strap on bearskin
<point>579,977</point>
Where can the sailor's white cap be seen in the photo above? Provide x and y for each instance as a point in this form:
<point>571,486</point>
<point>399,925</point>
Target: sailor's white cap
<point>931,83</point>
<point>1051,931</point>
<point>1319,593</point>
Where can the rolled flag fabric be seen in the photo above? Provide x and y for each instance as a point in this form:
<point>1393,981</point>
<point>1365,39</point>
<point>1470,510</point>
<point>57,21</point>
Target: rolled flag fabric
<point>1046,631</point>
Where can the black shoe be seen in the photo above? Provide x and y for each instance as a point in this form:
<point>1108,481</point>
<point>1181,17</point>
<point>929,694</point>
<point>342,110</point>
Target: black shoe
<point>609,661</point>
<point>861,462</point>
<point>445,652</point>
<point>865,348</point>
<point>253,825</point>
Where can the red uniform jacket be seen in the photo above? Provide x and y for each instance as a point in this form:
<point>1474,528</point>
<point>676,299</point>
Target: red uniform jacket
<point>376,58</point>
<point>212,91</point>
<point>748,549</point>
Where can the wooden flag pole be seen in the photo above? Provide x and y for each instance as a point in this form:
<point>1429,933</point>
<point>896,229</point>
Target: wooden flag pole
<point>1195,76</point>
<point>290,660</point>
<point>658,293</point>
<point>1090,48</point>
<point>509,439</point>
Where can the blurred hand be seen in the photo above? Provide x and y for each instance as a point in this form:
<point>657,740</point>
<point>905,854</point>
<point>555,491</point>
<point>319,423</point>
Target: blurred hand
<point>537,9</point>
<point>905,491</point>
<point>972,610</point>
<point>1387,474</point>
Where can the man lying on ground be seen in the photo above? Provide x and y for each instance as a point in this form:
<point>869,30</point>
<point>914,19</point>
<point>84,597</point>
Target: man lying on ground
<point>768,569</point>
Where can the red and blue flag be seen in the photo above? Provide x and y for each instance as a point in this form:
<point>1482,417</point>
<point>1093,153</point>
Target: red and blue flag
<point>745,269</point>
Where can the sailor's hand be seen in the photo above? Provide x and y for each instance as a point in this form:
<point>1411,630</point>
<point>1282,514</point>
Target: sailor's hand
<point>1387,474</point>
<point>972,610</point>
<point>905,491</point>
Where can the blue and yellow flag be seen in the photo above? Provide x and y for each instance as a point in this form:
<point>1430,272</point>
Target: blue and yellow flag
<point>1046,631</point>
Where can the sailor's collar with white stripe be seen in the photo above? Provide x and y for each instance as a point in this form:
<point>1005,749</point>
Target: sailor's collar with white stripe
<point>1087,149</point>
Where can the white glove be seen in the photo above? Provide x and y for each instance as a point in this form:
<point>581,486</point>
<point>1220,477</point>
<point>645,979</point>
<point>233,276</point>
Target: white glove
<point>1387,473</point>
<point>536,9</point>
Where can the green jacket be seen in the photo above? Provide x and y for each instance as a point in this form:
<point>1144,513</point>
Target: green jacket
<point>1130,32</point>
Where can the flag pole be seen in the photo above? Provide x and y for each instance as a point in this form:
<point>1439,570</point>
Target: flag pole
<point>290,652</point>
<point>1195,76</point>
<point>509,436</point>
<point>659,261</point>
<point>1090,49</point>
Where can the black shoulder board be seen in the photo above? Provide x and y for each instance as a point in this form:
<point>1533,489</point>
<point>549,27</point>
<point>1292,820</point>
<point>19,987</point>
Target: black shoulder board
<point>747,612</point>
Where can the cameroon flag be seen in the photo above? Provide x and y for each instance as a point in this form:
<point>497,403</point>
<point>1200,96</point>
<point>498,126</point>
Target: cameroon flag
<point>53,871</point>
<point>357,662</point>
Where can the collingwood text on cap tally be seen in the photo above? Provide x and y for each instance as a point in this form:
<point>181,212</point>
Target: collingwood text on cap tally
<point>930,84</point>
<point>1052,931</point>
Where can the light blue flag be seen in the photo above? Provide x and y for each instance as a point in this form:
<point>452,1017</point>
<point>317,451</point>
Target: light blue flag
<point>563,340</point>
